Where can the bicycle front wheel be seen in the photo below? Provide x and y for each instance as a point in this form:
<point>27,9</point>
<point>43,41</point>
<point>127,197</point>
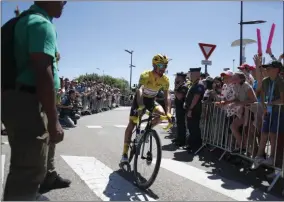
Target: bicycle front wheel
<point>144,155</point>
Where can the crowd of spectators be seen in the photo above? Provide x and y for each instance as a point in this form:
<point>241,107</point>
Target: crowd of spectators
<point>242,113</point>
<point>82,98</point>
<point>75,99</point>
<point>253,101</point>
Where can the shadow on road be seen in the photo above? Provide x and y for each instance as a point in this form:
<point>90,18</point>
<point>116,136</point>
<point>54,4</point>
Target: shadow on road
<point>183,156</point>
<point>127,192</point>
<point>169,147</point>
<point>235,173</point>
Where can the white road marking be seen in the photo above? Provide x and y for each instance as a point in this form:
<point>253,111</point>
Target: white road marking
<point>120,126</point>
<point>234,190</point>
<point>103,181</point>
<point>121,108</point>
<point>2,168</point>
<point>5,142</point>
<point>94,127</point>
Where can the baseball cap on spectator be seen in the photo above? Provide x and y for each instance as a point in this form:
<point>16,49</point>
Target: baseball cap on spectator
<point>227,73</point>
<point>246,66</point>
<point>273,64</point>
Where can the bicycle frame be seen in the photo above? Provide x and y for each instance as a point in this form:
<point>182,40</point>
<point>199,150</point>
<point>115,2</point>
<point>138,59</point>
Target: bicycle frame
<point>137,127</point>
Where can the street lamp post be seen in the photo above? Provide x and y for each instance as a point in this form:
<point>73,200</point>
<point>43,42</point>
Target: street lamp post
<point>103,75</point>
<point>131,66</point>
<point>241,30</point>
<point>17,11</point>
<point>241,34</point>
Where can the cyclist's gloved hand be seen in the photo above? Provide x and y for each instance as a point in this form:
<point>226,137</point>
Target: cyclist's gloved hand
<point>170,125</point>
<point>169,117</point>
<point>141,107</point>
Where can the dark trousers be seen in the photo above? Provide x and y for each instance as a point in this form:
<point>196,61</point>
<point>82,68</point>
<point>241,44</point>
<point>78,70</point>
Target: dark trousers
<point>28,138</point>
<point>193,126</point>
<point>181,127</point>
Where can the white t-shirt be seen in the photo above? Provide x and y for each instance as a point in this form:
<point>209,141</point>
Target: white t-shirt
<point>228,94</point>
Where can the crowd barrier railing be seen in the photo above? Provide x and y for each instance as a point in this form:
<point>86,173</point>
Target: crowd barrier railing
<point>90,103</point>
<point>249,133</point>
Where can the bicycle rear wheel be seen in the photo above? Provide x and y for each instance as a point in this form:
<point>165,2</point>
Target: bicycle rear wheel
<point>152,135</point>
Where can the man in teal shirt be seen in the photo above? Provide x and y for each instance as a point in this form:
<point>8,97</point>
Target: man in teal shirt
<point>33,123</point>
<point>52,179</point>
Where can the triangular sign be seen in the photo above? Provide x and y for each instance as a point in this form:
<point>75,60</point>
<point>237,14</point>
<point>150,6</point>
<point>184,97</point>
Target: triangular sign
<point>207,49</point>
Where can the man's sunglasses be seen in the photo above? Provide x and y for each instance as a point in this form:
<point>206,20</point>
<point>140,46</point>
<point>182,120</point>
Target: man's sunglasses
<point>162,66</point>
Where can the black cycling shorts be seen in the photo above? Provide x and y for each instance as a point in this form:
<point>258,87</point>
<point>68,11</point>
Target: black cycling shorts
<point>149,103</point>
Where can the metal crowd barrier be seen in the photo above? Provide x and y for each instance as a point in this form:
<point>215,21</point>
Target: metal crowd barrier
<point>216,131</point>
<point>90,103</point>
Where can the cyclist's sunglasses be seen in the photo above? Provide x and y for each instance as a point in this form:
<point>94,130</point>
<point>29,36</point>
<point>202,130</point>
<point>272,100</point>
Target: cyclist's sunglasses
<point>162,66</point>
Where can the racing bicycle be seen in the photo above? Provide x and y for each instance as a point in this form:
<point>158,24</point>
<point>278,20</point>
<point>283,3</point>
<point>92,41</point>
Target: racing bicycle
<point>137,150</point>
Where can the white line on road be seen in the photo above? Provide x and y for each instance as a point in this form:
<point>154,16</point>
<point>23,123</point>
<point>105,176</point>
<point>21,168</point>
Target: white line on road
<point>2,168</point>
<point>120,126</point>
<point>103,181</point>
<point>235,190</point>
<point>94,127</point>
<point>121,108</point>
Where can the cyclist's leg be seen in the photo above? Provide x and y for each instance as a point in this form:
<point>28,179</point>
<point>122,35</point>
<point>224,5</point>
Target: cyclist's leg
<point>158,109</point>
<point>128,131</point>
<point>127,140</point>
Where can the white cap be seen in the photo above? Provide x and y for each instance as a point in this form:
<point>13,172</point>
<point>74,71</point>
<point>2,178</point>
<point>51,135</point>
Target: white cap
<point>227,73</point>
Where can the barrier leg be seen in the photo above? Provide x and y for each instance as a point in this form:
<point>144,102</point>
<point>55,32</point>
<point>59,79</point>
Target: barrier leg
<point>203,145</point>
<point>213,149</point>
<point>276,178</point>
<point>221,157</point>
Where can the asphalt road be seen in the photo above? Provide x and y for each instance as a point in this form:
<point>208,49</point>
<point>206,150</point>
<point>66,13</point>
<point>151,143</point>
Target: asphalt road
<point>90,154</point>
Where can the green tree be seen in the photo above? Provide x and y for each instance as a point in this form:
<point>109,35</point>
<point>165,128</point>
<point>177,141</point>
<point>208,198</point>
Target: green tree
<point>120,83</point>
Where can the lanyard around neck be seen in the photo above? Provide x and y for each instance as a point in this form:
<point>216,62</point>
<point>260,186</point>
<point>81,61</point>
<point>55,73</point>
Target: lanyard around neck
<point>271,90</point>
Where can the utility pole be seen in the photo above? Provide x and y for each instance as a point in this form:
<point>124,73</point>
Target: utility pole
<point>241,35</point>
<point>131,66</point>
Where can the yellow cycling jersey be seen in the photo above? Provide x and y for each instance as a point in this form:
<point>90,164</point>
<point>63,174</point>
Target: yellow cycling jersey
<point>152,85</point>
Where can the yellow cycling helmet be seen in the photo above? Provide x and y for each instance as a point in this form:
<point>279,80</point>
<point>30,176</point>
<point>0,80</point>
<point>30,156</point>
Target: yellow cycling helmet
<point>160,59</point>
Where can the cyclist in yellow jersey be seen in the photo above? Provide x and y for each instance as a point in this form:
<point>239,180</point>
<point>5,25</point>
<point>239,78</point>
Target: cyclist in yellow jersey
<point>150,83</point>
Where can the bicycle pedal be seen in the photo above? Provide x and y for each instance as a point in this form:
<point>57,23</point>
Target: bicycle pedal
<point>125,166</point>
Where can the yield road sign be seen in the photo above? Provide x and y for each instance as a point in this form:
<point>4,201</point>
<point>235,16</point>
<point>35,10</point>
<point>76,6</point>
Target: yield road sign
<point>206,62</point>
<point>207,49</point>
